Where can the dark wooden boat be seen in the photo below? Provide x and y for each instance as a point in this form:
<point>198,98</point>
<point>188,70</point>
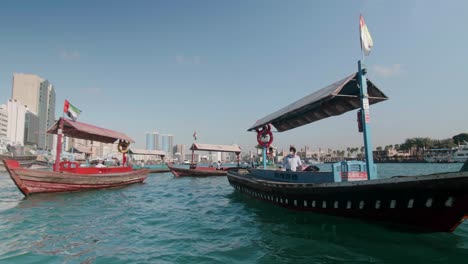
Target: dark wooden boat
<point>199,171</point>
<point>69,176</point>
<point>196,172</point>
<point>436,202</point>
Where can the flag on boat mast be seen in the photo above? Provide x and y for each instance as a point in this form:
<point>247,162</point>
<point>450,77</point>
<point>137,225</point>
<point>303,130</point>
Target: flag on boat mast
<point>366,39</point>
<point>195,135</point>
<point>71,111</point>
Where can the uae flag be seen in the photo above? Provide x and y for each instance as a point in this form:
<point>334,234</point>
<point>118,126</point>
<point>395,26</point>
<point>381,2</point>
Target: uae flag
<point>366,39</point>
<point>71,111</point>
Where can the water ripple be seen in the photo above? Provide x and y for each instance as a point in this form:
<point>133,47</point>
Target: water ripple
<point>196,220</point>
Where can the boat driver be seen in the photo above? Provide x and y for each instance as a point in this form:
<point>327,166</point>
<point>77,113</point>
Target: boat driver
<point>292,161</point>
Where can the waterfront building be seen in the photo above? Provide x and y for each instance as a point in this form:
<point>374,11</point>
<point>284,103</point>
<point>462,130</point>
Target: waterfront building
<point>16,121</point>
<point>180,148</point>
<point>196,157</point>
<point>3,121</point>
<point>38,95</point>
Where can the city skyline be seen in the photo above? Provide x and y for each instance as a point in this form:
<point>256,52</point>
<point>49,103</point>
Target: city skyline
<point>218,66</point>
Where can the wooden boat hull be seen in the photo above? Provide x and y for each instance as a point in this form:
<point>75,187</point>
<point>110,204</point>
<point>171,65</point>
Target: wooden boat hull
<point>31,181</point>
<point>159,170</point>
<point>437,202</point>
<point>198,172</point>
<point>153,168</point>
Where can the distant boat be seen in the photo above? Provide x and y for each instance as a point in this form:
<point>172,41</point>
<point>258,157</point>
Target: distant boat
<point>456,154</point>
<point>24,160</point>
<point>68,175</point>
<point>199,171</point>
<point>436,202</point>
<point>17,153</point>
<point>143,164</point>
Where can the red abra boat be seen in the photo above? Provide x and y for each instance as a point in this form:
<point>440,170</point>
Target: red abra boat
<point>69,176</point>
<point>198,171</point>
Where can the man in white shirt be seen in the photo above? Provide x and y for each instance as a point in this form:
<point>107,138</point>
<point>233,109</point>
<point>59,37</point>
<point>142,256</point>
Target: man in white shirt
<point>292,161</point>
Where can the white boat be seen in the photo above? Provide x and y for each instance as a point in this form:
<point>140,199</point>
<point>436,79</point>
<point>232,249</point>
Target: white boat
<point>456,154</point>
<point>461,154</point>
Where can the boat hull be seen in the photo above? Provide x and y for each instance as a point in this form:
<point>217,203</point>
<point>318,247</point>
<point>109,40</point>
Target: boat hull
<point>198,172</point>
<point>436,202</point>
<point>31,181</point>
<point>153,168</point>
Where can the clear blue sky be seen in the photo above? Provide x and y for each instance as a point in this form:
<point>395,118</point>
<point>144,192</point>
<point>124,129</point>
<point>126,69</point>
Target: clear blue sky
<point>218,66</point>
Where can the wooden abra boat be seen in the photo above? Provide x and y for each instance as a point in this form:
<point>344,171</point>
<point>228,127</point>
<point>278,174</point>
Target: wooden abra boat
<point>436,202</point>
<point>69,176</point>
<point>199,171</point>
<point>143,154</point>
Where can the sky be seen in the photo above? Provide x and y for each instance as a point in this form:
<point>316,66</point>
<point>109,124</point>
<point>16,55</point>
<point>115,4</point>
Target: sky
<point>215,67</point>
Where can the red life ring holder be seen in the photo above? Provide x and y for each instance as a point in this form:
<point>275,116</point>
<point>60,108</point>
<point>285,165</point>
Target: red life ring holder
<point>264,128</point>
<point>259,138</point>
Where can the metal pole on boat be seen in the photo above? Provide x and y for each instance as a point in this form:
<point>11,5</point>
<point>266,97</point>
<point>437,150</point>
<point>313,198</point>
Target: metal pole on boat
<point>366,121</point>
<point>264,157</point>
<point>59,146</point>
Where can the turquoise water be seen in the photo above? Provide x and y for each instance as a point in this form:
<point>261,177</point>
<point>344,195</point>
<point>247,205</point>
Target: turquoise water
<point>202,220</point>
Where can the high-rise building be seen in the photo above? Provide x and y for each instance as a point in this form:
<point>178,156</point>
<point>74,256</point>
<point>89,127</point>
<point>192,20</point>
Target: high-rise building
<point>38,95</point>
<point>152,140</point>
<point>149,141</point>
<point>31,129</point>
<point>50,115</point>
<point>156,141</point>
<point>167,144</point>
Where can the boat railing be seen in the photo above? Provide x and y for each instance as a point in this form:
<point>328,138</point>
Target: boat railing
<point>352,170</point>
<point>74,167</point>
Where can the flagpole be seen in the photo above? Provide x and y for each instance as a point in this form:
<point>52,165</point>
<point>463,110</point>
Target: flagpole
<point>365,112</point>
<point>59,144</point>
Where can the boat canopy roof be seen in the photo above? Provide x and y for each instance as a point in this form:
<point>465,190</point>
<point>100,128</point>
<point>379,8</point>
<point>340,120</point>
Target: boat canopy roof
<point>80,149</point>
<point>335,99</point>
<point>211,147</point>
<point>80,130</point>
<point>147,152</point>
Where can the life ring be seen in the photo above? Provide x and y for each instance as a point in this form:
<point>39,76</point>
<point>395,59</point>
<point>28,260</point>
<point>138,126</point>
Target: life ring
<point>122,147</point>
<point>262,134</point>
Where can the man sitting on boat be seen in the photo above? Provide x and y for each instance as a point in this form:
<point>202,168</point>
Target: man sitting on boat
<point>218,165</point>
<point>292,161</point>
<point>101,164</point>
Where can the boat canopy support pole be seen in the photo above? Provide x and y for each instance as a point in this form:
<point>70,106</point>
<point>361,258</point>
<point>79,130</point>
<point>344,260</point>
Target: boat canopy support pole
<point>193,154</point>
<point>371,174</point>
<point>238,159</point>
<point>59,146</point>
<point>264,157</point>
